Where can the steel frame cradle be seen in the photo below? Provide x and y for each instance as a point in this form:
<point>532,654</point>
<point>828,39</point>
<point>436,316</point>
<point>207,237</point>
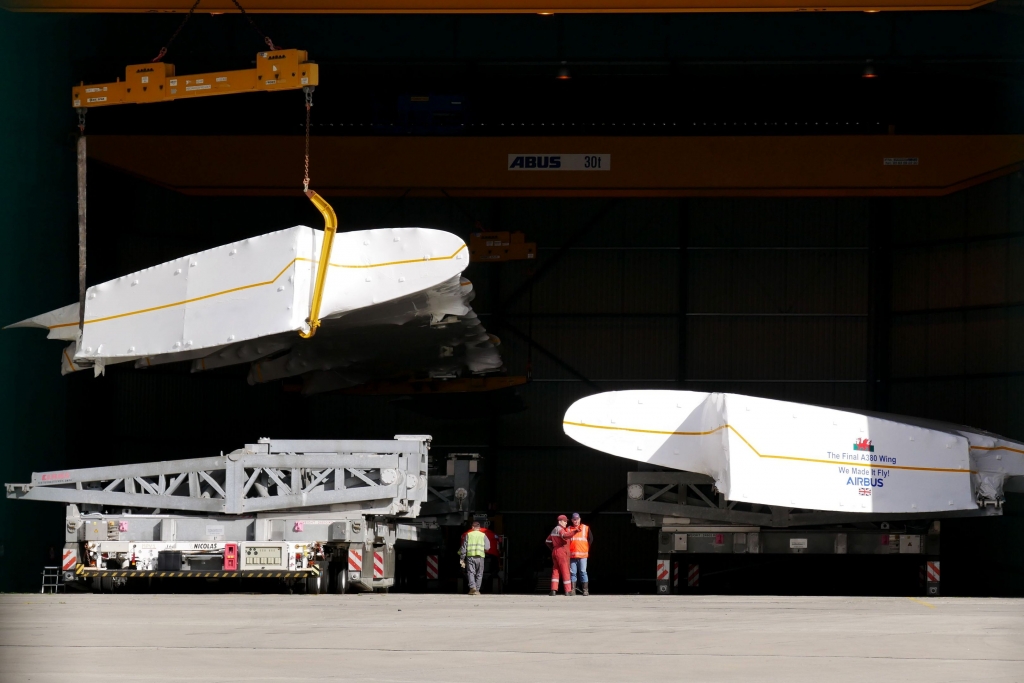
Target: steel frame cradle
<point>386,477</point>
<point>654,496</point>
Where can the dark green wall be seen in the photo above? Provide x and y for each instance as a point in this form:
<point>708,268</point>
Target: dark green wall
<point>37,225</point>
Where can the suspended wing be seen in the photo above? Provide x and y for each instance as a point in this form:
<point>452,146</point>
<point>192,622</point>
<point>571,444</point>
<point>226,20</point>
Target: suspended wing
<point>801,456</point>
<point>394,302</point>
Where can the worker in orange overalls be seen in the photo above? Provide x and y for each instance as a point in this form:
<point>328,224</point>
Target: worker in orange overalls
<point>579,552</point>
<point>558,541</point>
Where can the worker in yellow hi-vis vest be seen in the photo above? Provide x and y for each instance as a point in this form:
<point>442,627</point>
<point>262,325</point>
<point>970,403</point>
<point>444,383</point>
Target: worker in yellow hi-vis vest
<point>471,554</point>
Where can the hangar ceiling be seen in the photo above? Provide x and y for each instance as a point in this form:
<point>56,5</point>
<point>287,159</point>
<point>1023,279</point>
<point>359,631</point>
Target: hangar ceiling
<point>490,6</point>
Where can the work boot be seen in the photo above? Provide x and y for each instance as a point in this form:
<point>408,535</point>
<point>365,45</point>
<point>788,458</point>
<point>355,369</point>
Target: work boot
<point>554,593</point>
<point>574,588</point>
<point>586,588</point>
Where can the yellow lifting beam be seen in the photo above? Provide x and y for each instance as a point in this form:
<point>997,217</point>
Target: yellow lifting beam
<point>157,82</point>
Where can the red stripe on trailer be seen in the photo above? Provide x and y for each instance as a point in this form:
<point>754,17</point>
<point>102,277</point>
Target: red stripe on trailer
<point>662,573</point>
<point>355,560</point>
<point>70,560</point>
<point>933,572</point>
<point>675,574</point>
<point>378,565</point>
<point>431,566</point>
<point>693,576</point>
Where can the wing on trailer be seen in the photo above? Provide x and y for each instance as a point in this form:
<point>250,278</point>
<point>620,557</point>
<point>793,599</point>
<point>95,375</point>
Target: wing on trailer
<point>800,456</point>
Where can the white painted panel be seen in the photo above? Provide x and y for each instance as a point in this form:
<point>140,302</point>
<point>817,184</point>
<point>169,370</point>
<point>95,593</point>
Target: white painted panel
<point>243,290</point>
<point>139,314</point>
<point>373,266</point>
<point>782,453</point>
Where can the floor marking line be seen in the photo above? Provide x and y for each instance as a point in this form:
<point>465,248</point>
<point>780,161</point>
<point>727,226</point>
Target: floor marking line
<point>922,602</point>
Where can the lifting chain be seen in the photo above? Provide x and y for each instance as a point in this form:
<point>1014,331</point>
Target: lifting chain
<point>308,92</point>
<point>266,38</point>
<point>163,50</point>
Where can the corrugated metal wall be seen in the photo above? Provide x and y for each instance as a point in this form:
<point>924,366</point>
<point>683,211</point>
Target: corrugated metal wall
<point>958,306</point>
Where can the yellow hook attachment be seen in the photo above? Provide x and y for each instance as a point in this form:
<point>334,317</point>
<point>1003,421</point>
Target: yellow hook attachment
<point>330,228</point>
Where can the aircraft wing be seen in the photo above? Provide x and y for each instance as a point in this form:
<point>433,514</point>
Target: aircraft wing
<point>394,304</point>
<point>801,456</point>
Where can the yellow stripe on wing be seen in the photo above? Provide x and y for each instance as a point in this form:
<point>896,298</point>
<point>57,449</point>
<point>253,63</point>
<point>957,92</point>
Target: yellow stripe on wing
<point>766,456</point>
<point>259,284</point>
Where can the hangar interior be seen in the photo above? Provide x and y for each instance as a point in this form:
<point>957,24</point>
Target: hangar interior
<point>897,298</point>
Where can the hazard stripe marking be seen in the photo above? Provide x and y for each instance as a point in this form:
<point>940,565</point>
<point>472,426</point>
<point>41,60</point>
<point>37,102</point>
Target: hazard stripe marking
<point>355,560</point>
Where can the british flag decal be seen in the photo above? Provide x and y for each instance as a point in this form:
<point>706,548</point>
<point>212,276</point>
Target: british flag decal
<point>864,492</point>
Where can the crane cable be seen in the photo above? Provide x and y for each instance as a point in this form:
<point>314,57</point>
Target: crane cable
<point>191,11</point>
<point>308,92</point>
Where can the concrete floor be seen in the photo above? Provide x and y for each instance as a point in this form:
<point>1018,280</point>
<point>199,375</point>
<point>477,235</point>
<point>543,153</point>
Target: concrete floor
<point>449,638</point>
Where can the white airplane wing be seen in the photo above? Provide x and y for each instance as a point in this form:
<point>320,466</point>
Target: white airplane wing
<point>801,456</point>
<point>245,302</point>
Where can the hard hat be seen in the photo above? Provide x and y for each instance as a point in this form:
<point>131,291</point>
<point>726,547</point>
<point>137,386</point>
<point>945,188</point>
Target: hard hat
<point>563,518</point>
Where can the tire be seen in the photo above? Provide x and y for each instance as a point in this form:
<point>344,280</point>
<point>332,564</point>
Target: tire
<point>339,578</point>
<point>315,585</point>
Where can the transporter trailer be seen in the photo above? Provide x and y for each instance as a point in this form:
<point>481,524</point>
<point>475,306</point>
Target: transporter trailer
<point>322,516</point>
<point>694,520</point>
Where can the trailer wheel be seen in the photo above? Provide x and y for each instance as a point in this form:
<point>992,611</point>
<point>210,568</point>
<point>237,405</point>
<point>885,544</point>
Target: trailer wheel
<point>339,578</point>
<point>315,585</point>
